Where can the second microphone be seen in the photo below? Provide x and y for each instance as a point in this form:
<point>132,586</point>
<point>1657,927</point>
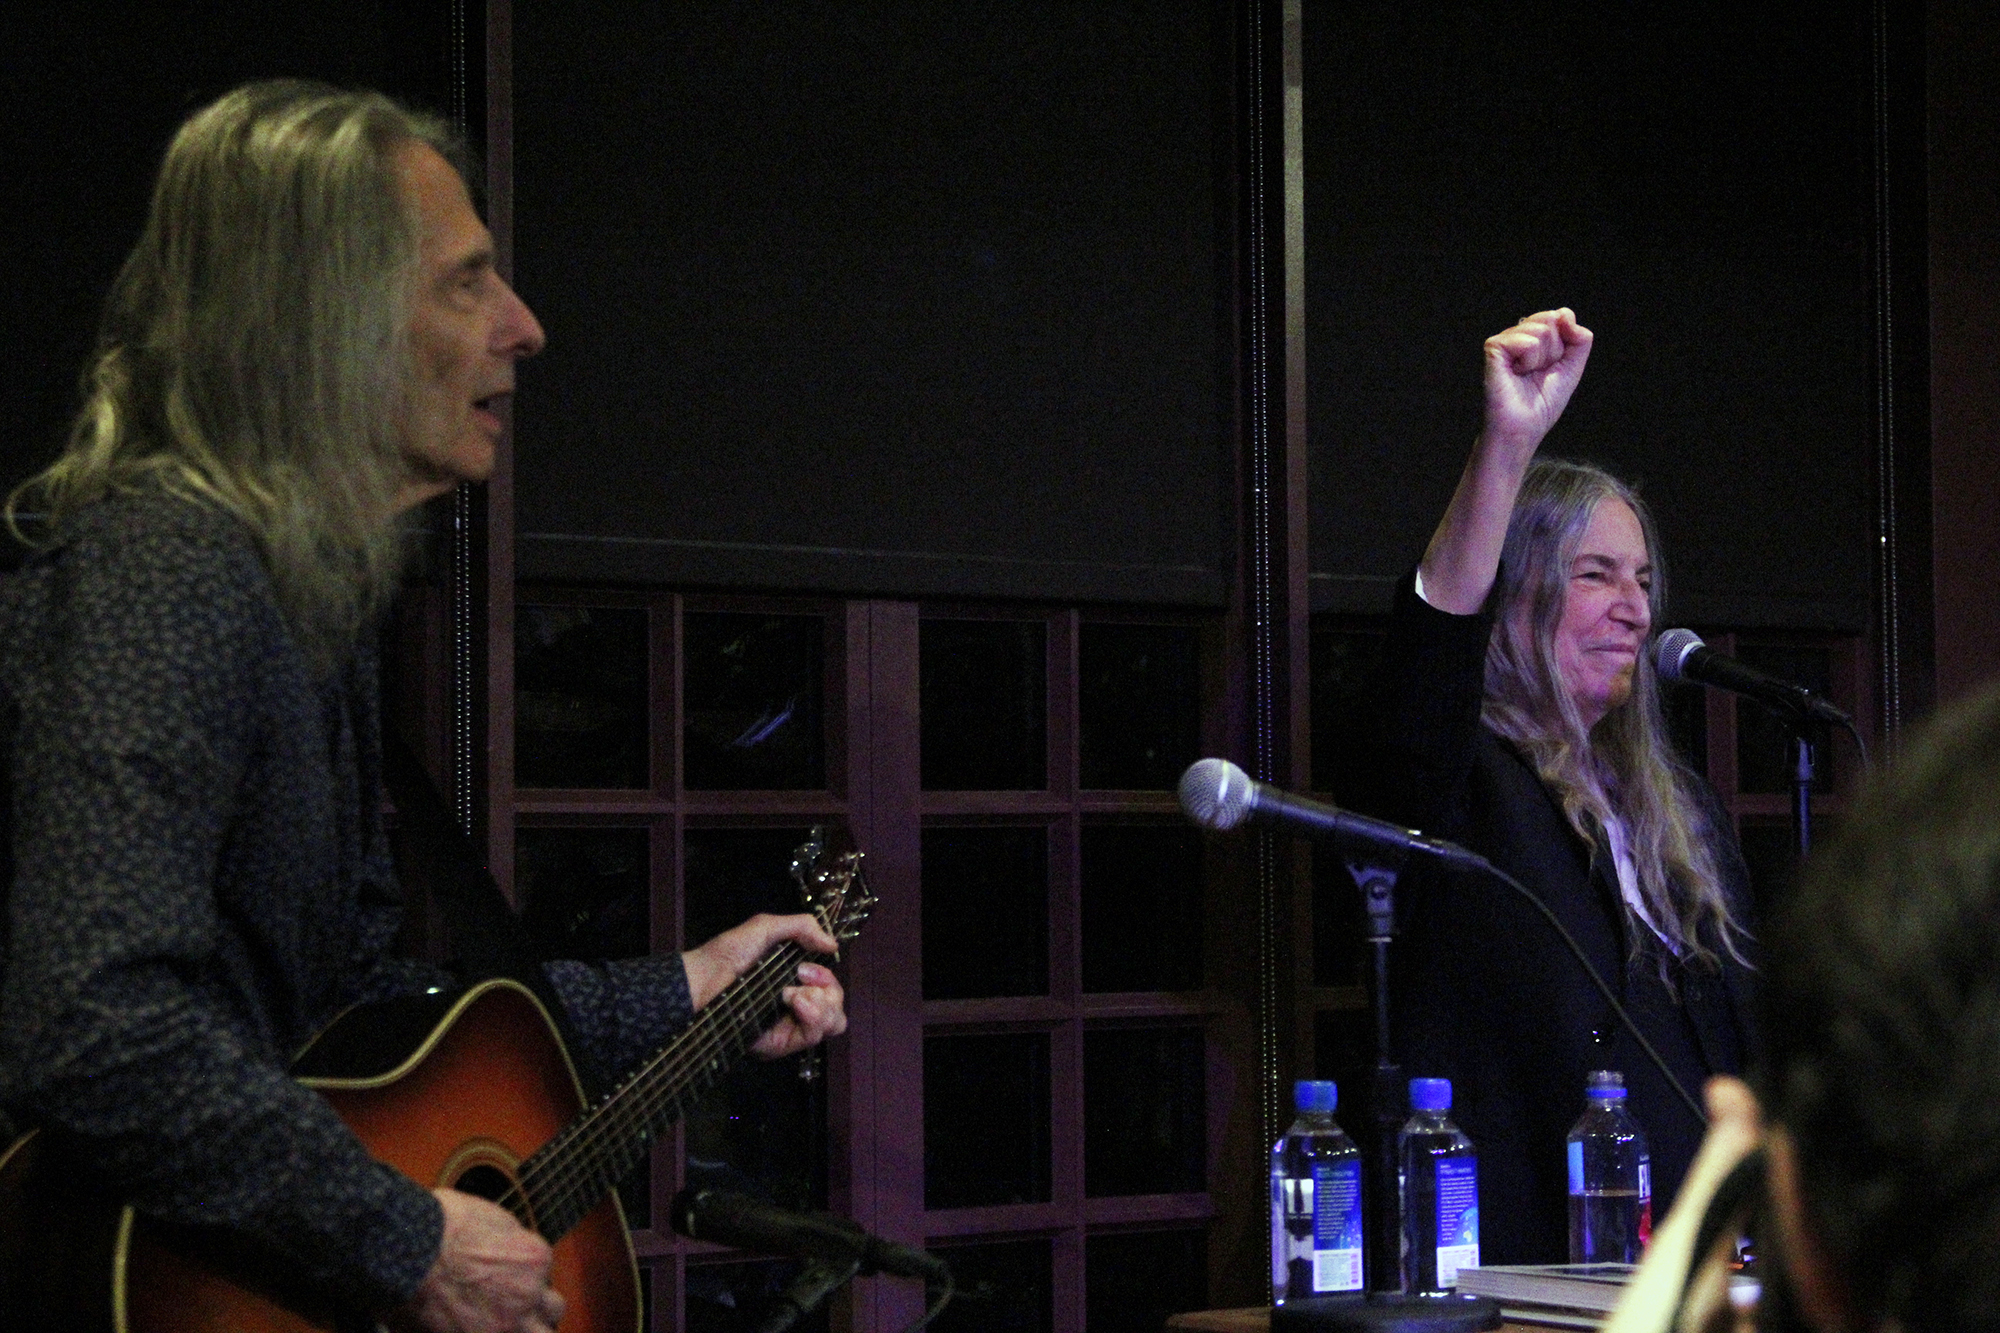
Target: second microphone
<point>736,1219</point>
<point>1216,794</point>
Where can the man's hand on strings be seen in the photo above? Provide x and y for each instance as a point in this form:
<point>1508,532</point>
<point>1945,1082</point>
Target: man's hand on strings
<point>491,1275</point>
<point>815,1005</point>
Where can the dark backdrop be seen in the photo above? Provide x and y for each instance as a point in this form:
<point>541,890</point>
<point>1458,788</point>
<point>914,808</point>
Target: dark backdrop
<point>938,305</point>
<point>94,91</point>
<point>1694,180</point>
<point>900,298</point>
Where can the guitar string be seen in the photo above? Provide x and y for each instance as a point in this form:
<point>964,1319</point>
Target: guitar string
<point>549,1180</point>
<point>566,1177</point>
<point>592,1168</point>
<point>636,1113</point>
<point>559,1161</point>
<point>646,1104</point>
<point>572,1170</point>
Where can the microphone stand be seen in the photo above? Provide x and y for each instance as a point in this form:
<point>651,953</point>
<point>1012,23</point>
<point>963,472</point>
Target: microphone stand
<point>1802,781</point>
<point>1387,1308</point>
<point>1806,731</point>
<point>1384,1198</point>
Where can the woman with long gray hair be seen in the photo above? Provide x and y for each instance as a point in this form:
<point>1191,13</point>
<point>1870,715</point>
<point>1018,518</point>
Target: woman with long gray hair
<point>1519,714</point>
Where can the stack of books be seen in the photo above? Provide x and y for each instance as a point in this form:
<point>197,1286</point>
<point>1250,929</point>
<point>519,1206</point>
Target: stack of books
<point>1564,1295</point>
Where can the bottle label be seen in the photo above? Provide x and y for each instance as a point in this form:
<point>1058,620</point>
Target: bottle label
<point>1458,1217</point>
<point>1645,1202</point>
<point>1337,1225</point>
<point>1576,1167</point>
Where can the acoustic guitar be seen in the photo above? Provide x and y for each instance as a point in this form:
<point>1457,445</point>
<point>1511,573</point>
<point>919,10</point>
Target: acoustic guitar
<point>470,1090</point>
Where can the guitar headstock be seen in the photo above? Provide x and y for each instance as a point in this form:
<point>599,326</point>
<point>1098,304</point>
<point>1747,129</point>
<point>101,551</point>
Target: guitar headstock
<point>832,885</point>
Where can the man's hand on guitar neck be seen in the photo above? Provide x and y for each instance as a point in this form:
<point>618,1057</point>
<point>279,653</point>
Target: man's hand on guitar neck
<point>815,1003</point>
<point>491,1275</point>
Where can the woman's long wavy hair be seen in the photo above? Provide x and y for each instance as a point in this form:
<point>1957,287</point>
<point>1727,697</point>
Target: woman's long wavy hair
<point>253,353</point>
<point>1625,766</point>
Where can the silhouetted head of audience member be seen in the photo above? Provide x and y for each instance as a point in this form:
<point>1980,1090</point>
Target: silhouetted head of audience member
<point>1882,1078</point>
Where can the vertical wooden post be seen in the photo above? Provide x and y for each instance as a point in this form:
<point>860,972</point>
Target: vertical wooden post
<point>879,1181</point>
<point>482,545</point>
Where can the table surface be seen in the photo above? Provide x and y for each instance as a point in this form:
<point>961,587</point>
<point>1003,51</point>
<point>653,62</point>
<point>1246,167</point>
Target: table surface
<point>1257,1319</point>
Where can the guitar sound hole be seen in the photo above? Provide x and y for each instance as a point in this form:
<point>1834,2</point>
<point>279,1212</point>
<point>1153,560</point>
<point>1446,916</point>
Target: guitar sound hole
<point>488,1182</point>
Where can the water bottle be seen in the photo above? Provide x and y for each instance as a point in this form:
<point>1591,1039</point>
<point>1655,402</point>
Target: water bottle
<point>1438,1176</point>
<point>1610,1178</point>
<point>1315,1201</point>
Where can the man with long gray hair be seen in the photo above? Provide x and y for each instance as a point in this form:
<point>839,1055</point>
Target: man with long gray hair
<point>1519,715</point>
<point>310,339</point>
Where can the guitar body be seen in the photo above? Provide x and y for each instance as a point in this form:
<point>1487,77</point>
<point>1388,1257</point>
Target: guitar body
<point>450,1090</point>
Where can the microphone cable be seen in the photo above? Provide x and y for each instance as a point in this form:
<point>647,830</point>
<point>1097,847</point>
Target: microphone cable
<point>1597,980</point>
<point>950,1286</point>
<point>1859,744</point>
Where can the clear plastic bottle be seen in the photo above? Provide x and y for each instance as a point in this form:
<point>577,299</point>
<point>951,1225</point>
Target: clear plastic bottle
<point>1315,1201</point>
<point>1610,1177</point>
<point>1438,1175</point>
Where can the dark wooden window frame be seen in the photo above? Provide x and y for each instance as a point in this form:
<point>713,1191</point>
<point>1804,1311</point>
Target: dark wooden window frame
<point>1067,1013</point>
<point>875,1163</point>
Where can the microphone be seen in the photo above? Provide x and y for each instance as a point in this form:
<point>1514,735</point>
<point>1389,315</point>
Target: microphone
<point>819,1281</point>
<point>1679,654</point>
<point>1216,794</point>
<point>736,1219</point>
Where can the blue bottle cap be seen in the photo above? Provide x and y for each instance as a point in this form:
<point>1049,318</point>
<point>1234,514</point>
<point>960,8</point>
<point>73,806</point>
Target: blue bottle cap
<point>1604,1085</point>
<point>1430,1094</point>
<point>1315,1094</point>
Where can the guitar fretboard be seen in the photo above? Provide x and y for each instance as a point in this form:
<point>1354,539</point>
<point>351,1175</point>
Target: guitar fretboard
<point>566,1178</point>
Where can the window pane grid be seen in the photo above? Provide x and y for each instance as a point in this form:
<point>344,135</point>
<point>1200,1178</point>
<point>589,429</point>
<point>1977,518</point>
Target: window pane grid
<point>566,817</point>
<point>1164,997</point>
<point>587,691</point>
<point>681,824</point>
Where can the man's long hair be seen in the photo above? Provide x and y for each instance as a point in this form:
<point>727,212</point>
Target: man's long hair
<point>1882,1033</point>
<point>253,353</point>
<point>1624,767</point>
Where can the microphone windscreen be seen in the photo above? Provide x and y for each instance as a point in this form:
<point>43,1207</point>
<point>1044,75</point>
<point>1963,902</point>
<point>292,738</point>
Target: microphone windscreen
<point>1216,794</point>
<point>1670,652</point>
